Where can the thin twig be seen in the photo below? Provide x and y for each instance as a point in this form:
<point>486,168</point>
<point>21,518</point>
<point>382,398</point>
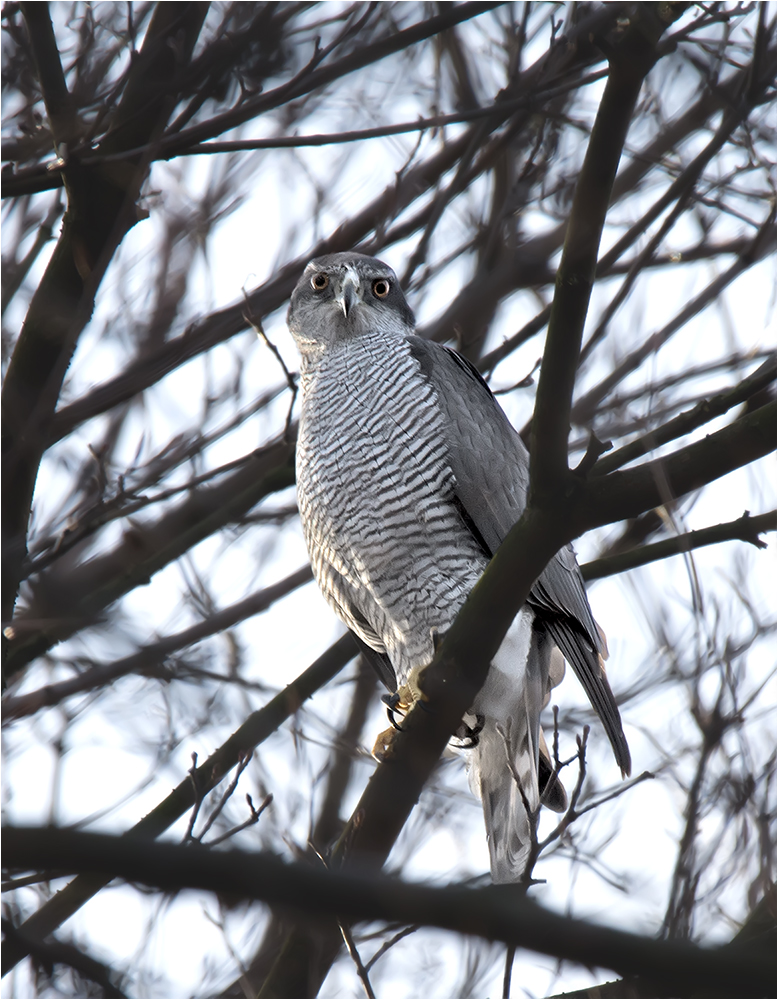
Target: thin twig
<point>198,798</point>
<point>625,786</point>
<point>390,944</point>
<point>243,762</point>
<point>291,379</point>
<point>253,818</point>
<point>510,954</point>
<point>571,813</point>
<point>355,958</point>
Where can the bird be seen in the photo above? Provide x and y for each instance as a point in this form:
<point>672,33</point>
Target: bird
<point>409,476</point>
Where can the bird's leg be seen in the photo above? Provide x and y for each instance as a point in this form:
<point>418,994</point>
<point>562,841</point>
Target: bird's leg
<point>413,687</point>
<point>401,701</point>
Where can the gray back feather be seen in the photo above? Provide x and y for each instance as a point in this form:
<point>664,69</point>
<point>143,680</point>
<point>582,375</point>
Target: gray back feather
<point>491,467</point>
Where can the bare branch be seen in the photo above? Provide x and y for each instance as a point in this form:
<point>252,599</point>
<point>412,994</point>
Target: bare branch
<point>685,423</point>
<point>762,244</point>
<point>153,654</point>
<point>52,952</point>
<point>745,529</point>
<point>626,494</point>
<point>254,730</point>
<point>494,912</point>
<point>59,104</point>
<point>67,602</point>
<point>629,65</point>
<point>100,214</point>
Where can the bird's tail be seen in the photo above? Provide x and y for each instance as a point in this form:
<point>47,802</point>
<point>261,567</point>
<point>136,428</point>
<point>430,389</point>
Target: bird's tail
<point>505,760</point>
<point>509,815</point>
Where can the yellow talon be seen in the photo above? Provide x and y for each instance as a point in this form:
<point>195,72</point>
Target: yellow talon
<point>383,748</point>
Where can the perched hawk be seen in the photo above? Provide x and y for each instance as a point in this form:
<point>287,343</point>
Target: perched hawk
<point>409,476</point>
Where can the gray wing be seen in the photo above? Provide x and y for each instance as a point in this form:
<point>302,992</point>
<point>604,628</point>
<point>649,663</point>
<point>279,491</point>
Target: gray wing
<point>380,662</point>
<point>491,467</point>
<point>342,597</point>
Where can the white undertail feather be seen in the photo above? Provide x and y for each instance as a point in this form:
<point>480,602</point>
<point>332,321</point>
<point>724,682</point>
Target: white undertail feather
<point>510,703</point>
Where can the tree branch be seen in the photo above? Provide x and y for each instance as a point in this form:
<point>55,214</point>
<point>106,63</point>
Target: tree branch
<point>257,727</point>
<point>629,64</point>
<point>68,600</point>
<point>495,912</point>
<point>310,80</point>
<point>101,210</point>
<point>53,952</point>
<point>621,495</point>
<point>762,244</point>
<point>744,529</point>
<point>56,97</point>
<point>705,411</point>
<point>153,654</point>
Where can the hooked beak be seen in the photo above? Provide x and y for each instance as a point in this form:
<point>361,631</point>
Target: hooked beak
<point>349,294</point>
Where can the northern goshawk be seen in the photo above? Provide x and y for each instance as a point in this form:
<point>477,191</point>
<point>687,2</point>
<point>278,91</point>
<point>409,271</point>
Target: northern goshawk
<point>409,475</point>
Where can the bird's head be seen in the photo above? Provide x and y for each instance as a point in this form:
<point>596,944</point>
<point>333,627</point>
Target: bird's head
<point>343,296</point>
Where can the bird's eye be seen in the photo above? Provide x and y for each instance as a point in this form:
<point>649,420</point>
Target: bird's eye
<point>319,282</point>
<point>381,288</point>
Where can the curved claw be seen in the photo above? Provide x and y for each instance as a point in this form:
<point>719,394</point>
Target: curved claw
<point>471,734</point>
<point>393,702</point>
<point>390,716</point>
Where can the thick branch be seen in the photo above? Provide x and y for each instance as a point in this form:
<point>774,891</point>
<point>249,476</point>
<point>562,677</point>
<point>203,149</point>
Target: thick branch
<point>626,494</point>
<point>496,913</point>
<point>629,65</point>
<point>56,97</point>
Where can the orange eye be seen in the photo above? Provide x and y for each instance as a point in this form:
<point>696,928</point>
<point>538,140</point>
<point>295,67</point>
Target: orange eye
<point>381,288</point>
<point>319,282</point>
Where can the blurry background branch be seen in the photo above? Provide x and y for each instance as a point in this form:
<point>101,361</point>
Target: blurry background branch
<point>254,731</point>
<point>101,209</point>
